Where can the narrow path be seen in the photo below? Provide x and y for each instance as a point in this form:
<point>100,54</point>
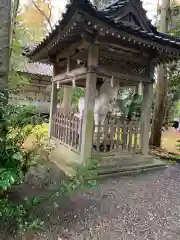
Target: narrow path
<point>131,208</point>
<point>146,206</point>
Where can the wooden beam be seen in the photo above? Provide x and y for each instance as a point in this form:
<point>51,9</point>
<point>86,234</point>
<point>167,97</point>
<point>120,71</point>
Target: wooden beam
<point>73,73</point>
<point>124,57</point>
<point>102,72</point>
<point>68,81</point>
<point>70,51</point>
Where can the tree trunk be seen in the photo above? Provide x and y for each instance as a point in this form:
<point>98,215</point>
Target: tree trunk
<point>161,86</point>
<point>5,28</point>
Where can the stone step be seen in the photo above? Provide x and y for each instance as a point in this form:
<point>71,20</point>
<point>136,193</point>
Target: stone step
<point>129,173</point>
<point>114,168</point>
<point>129,161</point>
<point>122,168</point>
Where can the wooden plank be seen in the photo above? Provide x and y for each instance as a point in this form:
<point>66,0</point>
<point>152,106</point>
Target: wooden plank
<point>54,125</point>
<point>98,137</point>
<point>69,129</point>
<point>118,134</point>
<point>106,130</point>
<point>76,133</point>
<point>112,134</point>
<point>136,135</point>
<point>80,132</point>
<point>73,73</point>
<point>124,136</point>
<point>118,75</point>
<point>66,128</point>
<point>63,119</point>
<point>130,134</point>
<point>58,125</point>
<point>121,54</point>
<point>72,130</point>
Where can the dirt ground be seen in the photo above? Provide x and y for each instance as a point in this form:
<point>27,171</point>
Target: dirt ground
<point>145,206</point>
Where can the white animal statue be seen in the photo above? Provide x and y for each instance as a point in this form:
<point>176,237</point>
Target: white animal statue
<point>103,102</point>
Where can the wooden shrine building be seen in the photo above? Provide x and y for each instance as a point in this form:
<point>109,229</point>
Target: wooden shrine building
<point>35,92</point>
<point>89,46</point>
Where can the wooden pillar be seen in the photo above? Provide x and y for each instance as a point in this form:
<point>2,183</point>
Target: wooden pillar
<point>146,112</point>
<point>136,89</point>
<point>53,106</point>
<point>88,116</point>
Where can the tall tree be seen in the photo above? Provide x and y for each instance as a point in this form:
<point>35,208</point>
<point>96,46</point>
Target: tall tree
<point>162,84</point>
<point>36,16</point>
<point>5,20</point>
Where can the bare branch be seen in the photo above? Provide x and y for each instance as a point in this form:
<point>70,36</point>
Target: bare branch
<point>44,15</point>
<point>50,11</point>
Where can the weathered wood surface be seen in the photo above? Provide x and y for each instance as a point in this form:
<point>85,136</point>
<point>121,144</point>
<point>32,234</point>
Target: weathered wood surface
<point>69,75</point>
<point>113,136</point>
<point>65,129</point>
<point>117,136</point>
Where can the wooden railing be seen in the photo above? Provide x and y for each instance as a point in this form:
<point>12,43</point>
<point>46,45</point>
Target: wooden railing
<point>113,136</point>
<point>117,136</point>
<point>65,128</point>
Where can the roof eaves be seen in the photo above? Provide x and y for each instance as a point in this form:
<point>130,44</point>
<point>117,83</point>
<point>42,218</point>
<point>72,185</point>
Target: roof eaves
<point>163,39</point>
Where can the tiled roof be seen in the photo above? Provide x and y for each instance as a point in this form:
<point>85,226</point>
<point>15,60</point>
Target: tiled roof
<point>114,5</point>
<point>118,4</point>
<point>105,15</point>
<point>36,68</point>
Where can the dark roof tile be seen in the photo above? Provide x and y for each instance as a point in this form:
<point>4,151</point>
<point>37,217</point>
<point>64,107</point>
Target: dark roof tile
<point>104,14</point>
<point>36,68</point>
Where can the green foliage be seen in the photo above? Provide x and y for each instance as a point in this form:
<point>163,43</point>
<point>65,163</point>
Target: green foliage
<point>130,104</point>
<point>135,107</point>
<point>20,215</point>
<point>8,177</point>
<point>14,160</point>
<point>40,132</point>
<point>16,124</point>
<point>84,178</point>
<point>178,147</point>
<point>173,90</point>
<point>77,93</point>
<point>17,60</point>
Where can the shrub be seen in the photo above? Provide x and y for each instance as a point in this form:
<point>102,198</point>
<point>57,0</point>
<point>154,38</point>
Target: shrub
<point>16,124</point>
<point>20,216</point>
<point>14,160</point>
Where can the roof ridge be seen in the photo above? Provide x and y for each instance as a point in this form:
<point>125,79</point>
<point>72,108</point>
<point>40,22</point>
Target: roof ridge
<point>117,4</point>
<point>114,2</point>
